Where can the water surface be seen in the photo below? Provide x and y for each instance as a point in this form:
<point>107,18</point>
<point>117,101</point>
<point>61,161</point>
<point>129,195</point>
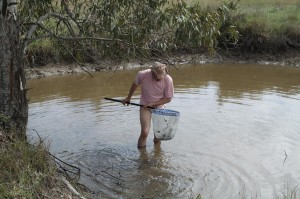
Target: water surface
<point>238,135</point>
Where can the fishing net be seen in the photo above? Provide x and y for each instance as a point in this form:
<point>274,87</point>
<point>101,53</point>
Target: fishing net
<point>165,123</point>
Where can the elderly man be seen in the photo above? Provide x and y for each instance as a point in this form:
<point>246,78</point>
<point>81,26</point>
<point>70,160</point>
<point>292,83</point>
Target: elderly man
<point>156,90</point>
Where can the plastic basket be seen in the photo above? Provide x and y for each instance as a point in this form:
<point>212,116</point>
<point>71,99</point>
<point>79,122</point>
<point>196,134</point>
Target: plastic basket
<point>165,123</point>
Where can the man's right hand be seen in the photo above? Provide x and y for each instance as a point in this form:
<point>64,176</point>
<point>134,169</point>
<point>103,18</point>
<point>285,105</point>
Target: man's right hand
<point>126,101</point>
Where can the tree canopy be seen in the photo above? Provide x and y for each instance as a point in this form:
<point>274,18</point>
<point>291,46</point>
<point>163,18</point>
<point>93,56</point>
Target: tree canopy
<point>90,29</point>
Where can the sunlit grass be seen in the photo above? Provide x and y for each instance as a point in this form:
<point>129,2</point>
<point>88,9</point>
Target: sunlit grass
<point>274,16</point>
<point>252,3</point>
<point>273,13</point>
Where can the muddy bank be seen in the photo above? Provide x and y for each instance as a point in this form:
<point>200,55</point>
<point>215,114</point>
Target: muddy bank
<point>291,58</point>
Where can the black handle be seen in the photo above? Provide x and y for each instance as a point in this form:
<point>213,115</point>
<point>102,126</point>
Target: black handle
<point>116,100</point>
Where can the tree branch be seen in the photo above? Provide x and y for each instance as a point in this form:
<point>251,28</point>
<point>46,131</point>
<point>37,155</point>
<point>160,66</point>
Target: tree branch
<point>60,40</point>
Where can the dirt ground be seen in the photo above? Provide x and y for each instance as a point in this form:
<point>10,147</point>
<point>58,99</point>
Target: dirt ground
<point>291,58</point>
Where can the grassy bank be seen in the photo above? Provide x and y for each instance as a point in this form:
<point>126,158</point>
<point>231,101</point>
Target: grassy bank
<point>276,23</point>
<point>28,171</point>
<point>273,13</point>
<point>25,170</point>
<point>265,26</point>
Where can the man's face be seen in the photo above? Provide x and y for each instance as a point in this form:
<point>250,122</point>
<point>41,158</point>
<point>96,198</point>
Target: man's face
<point>155,77</point>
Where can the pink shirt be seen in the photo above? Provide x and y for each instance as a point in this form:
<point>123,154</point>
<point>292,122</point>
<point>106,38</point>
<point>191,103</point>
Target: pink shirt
<point>152,90</point>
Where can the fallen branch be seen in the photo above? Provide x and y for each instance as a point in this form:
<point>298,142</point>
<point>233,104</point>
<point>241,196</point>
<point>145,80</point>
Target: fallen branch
<point>71,188</point>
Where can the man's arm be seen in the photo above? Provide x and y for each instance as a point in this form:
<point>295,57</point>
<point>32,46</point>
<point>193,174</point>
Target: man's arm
<point>160,102</point>
<point>131,91</point>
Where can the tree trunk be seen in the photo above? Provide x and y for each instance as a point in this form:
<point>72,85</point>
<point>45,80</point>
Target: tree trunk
<point>13,101</point>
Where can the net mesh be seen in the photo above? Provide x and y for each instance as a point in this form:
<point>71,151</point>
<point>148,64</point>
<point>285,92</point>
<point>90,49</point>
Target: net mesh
<point>165,123</point>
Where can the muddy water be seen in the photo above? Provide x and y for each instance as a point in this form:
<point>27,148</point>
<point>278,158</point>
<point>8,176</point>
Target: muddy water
<point>238,135</point>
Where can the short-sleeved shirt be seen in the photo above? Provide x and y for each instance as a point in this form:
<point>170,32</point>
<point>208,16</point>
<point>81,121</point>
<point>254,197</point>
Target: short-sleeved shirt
<point>152,90</point>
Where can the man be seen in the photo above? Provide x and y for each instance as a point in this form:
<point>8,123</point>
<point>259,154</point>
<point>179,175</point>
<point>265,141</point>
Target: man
<point>156,90</point>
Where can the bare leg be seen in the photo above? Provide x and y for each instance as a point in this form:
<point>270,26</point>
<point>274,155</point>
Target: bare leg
<point>145,120</point>
<point>156,141</point>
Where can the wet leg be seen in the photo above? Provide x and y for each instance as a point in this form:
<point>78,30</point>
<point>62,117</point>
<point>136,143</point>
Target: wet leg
<point>145,120</point>
<point>156,141</point>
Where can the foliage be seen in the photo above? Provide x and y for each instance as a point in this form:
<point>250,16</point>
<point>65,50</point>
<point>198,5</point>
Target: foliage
<point>89,30</point>
<point>198,27</point>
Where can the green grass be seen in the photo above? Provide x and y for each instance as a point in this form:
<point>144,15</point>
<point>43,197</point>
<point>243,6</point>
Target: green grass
<point>251,3</point>
<point>273,13</point>
<point>26,171</point>
<point>274,16</point>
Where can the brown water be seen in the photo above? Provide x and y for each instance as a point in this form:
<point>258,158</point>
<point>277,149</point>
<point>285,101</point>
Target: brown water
<point>238,135</point>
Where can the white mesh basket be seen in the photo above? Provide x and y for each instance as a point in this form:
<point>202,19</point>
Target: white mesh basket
<point>165,123</point>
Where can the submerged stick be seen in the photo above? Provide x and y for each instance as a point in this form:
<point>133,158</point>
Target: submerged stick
<point>285,157</point>
<point>71,188</point>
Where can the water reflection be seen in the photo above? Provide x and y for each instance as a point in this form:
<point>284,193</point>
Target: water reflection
<point>123,173</point>
<point>237,123</point>
<point>231,81</point>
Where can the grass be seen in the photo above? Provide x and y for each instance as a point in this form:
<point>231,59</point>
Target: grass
<point>25,169</point>
<point>28,171</point>
<point>251,3</point>
<point>275,17</point>
<point>273,13</point>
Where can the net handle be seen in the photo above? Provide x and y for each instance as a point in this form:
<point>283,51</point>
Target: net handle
<point>116,100</point>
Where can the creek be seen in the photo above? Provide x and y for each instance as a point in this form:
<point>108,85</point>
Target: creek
<point>238,134</point>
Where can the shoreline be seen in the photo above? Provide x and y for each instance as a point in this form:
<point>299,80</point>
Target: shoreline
<point>291,59</point>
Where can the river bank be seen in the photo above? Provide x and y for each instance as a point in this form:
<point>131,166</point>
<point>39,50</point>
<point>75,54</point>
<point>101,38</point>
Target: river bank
<point>290,58</point>
<point>40,177</point>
